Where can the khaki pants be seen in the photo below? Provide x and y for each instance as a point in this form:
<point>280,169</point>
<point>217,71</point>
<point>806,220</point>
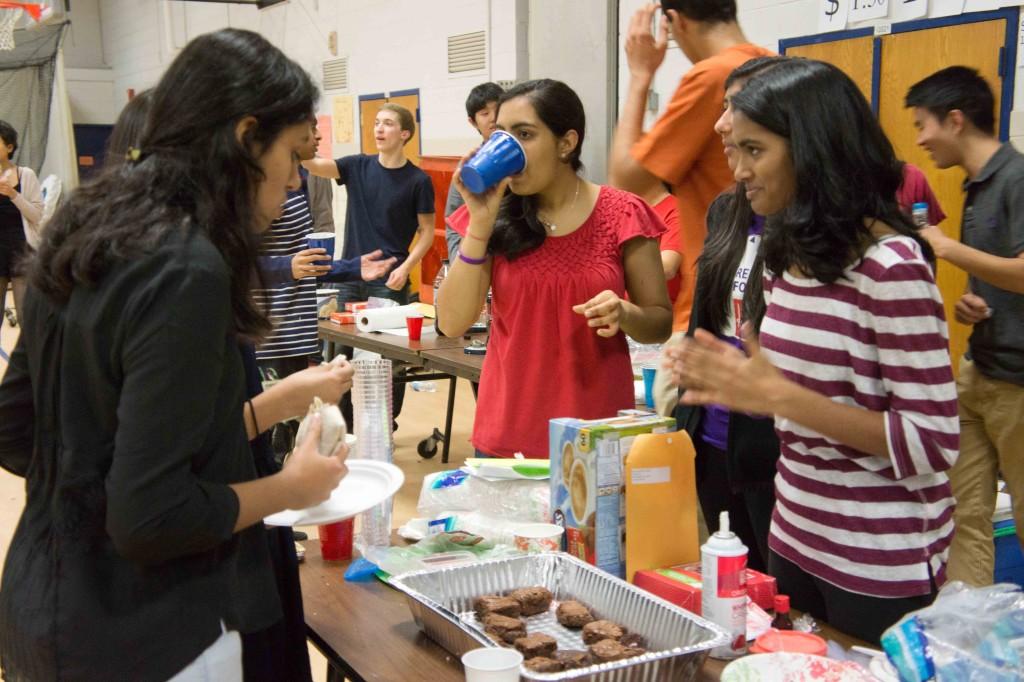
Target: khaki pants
<point>991,442</point>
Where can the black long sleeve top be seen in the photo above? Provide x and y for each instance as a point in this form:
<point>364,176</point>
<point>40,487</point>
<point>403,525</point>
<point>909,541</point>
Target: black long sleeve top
<point>123,411</point>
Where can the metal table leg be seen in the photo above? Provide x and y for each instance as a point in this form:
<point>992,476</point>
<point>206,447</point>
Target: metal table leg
<point>448,420</point>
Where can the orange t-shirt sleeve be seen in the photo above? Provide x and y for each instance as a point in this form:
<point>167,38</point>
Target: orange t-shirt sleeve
<point>679,135</point>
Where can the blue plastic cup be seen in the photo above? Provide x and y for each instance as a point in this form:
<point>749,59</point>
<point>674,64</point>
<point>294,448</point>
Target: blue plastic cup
<point>499,157</point>
<point>323,240</point>
<point>649,371</point>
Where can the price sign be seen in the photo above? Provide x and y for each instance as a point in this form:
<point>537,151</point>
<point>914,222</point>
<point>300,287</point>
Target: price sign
<point>947,8</point>
<point>904,10</point>
<point>832,15</point>
<point>862,10</point>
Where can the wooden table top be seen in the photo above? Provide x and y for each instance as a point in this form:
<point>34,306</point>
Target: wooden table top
<point>454,361</point>
<point>367,631</point>
<point>388,345</point>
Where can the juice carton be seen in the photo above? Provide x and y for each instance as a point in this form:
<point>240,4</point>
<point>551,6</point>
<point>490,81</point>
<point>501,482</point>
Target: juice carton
<point>587,483</point>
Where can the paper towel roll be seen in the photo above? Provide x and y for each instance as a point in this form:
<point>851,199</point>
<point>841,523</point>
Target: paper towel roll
<point>375,319</point>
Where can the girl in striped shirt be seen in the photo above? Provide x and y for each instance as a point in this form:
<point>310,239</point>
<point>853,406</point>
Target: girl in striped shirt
<point>852,358</point>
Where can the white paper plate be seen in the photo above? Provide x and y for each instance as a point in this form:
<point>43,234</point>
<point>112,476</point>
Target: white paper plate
<point>790,667</point>
<point>367,484</point>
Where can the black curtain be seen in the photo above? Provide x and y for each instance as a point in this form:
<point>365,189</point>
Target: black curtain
<point>26,88</point>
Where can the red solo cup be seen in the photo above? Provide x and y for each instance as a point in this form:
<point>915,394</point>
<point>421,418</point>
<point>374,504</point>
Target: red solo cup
<point>414,323</point>
<point>336,540</point>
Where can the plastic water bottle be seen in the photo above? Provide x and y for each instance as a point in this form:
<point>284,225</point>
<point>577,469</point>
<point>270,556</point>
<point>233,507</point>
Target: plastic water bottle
<point>919,214</point>
<point>424,386</point>
<point>723,570</point>
<point>438,280</point>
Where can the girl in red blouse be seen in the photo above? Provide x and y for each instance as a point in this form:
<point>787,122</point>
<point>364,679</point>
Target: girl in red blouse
<point>559,254</point>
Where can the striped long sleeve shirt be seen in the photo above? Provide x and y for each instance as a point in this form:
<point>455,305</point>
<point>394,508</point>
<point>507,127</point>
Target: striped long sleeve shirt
<point>876,339</point>
<point>290,303</point>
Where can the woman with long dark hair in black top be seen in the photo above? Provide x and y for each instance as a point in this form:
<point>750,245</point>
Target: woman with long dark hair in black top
<point>140,552</point>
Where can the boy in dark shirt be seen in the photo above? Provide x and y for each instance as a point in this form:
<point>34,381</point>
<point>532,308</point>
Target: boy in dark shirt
<point>954,115</point>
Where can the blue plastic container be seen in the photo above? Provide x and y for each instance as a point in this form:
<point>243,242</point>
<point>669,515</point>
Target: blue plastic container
<point>1009,558</point>
<point>499,157</point>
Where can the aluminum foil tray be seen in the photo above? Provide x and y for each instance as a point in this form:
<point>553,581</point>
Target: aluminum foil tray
<point>677,640</point>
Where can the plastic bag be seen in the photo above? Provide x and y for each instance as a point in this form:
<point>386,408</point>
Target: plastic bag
<point>396,560</point>
<point>967,635</point>
<point>516,501</point>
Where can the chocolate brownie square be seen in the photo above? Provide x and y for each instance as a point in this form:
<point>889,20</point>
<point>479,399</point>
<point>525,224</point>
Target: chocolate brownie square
<point>631,639</point>
<point>602,629</point>
<point>492,603</point>
<point>543,664</point>
<point>537,644</point>
<point>532,600</point>
<point>504,628</point>
<point>573,659</point>
<point>573,614</point>
<point>608,650</point>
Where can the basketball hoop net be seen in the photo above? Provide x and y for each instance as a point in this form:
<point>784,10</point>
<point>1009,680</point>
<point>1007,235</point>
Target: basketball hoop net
<point>10,12</point>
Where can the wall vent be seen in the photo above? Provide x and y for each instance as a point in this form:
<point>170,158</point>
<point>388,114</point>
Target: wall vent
<point>336,74</point>
<point>467,52</point>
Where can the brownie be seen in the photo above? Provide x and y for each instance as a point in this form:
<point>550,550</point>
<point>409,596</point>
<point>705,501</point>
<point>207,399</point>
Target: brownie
<point>537,644</point>
<point>543,664</point>
<point>609,650</point>
<point>492,603</point>
<point>572,659</point>
<point>573,614</point>
<point>632,639</point>
<point>504,628</point>
<point>533,600</point>
<point>602,629</point>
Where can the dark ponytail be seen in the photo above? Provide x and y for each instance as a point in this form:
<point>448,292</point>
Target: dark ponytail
<point>191,172</point>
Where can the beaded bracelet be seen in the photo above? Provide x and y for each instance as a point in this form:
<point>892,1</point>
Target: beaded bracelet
<point>472,261</point>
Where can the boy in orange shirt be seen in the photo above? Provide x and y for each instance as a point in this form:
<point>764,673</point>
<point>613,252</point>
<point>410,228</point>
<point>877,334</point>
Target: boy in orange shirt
<point>682,148</point>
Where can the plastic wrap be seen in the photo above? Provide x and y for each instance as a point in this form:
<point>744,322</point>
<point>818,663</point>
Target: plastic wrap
<point>966,635</point>
<point>517,501</point>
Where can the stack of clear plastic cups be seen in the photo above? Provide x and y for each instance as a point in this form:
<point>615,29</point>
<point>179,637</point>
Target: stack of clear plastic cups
<point>372,410</point>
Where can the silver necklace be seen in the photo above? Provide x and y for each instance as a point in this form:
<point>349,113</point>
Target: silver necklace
<point>551,226</point>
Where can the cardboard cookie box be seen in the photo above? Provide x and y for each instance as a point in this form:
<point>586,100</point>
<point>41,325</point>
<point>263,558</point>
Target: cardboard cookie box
<point>587,483</point>
<point>681,585</point>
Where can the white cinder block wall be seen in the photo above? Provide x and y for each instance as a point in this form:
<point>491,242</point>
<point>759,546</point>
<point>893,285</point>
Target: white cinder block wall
<point>119,44</point>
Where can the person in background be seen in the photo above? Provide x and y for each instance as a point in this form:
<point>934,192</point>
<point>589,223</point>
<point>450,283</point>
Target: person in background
<point>736,451</point>
<point>560,254</point>
<point>916,190</point>
<point>390,201</point>
<point>290,270</point>
<point>482,113</point>
<point>680,149</point>
<point>319,192</point>
<point>852,358</point>
<point>954,112</point>
<point>143,507</point>
<point>21,210</point>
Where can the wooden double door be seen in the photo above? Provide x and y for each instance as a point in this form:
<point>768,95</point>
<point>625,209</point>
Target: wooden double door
<point>884,67</point>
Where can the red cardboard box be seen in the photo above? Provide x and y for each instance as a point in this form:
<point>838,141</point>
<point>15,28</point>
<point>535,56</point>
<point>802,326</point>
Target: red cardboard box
<point>354,307</point>
<point>343,318</point>
<point>681,585</point>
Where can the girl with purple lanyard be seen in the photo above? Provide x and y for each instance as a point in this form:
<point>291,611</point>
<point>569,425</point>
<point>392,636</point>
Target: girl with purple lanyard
<point>736,452</point>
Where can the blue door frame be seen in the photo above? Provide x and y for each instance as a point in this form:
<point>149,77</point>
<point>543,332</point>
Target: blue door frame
<point>1007,53</point>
